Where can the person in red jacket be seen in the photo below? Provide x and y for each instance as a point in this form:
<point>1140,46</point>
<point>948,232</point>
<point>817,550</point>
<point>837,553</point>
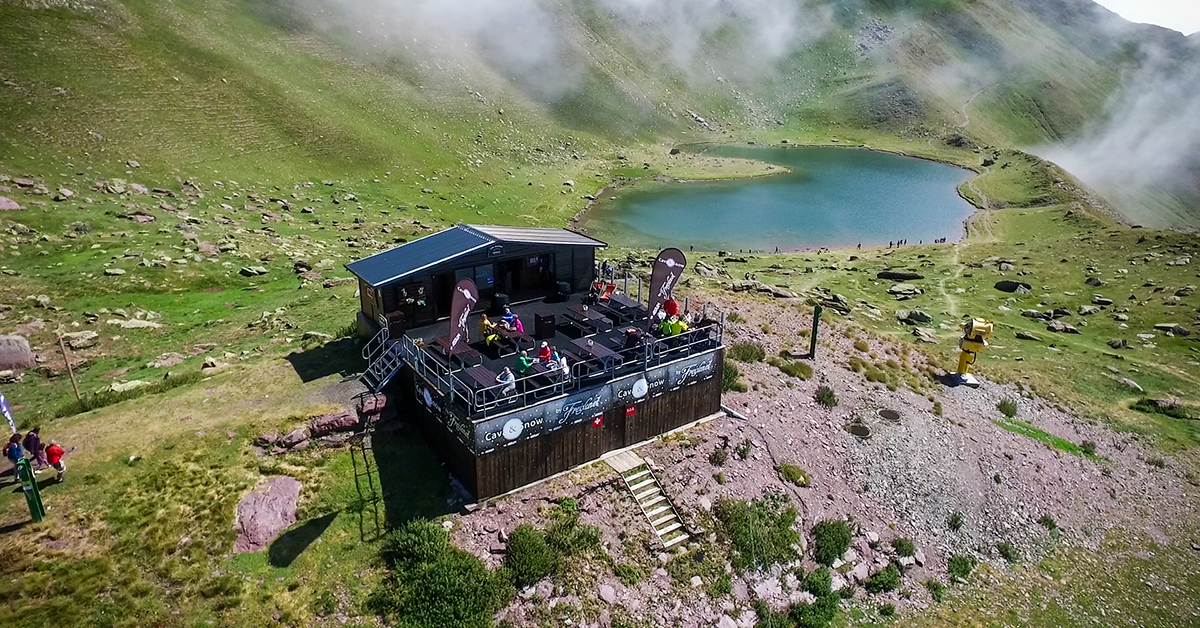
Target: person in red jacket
<point>54,455</point>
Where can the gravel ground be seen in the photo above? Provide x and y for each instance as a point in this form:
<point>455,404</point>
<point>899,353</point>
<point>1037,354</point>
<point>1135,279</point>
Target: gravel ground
<point>904,481</point>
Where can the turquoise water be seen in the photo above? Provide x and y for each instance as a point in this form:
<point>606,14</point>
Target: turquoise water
<point>833,197</point>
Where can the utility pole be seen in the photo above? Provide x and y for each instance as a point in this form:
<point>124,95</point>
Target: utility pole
<point>67,359</point>
<point>812,343</point>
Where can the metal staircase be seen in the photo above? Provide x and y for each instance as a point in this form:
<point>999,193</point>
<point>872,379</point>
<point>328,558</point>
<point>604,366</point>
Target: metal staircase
<point>370,524</point>
<point>383,361</point>
<point>648,494</point>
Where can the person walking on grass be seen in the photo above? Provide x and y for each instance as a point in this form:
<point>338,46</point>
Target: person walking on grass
<point>14,452</point>
<point>33,446</point>
<point>54,454</point>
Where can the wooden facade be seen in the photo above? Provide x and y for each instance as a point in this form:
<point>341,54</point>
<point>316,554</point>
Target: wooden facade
<point>524,462</point>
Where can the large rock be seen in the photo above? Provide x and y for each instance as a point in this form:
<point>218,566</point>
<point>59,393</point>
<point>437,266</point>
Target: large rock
<point>330,423</point>
<point>263,514</point>
<point>1011,286</point>
<point>15,354</point>
<point>9,204</point>
<point>608,594</point>
<point>293,438</point>
<point>900,275</point>
<point>1061,327</point>
<point>1173,329</point>
<point>81,339</point>
<point>905,289</point>
<point>1088,310</point>
<point>925,335</point>
<point>1024,335</point>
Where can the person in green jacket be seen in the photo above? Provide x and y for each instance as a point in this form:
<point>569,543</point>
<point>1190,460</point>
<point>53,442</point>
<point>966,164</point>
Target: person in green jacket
<point>524,362</point>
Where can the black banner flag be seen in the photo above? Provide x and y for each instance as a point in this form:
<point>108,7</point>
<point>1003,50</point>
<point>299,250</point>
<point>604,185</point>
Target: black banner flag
<point>466,295</point>
<point>667,269</point>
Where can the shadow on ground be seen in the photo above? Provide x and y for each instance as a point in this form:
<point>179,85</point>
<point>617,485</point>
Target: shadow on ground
<point>342,357</point>
<point>285,549</point>
<point>412,480</point>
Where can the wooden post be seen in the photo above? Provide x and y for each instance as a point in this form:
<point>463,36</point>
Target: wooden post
<point>70,371</point>
<point>812,344</point>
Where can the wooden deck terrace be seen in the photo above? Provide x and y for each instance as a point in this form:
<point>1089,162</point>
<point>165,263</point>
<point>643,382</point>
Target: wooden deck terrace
<point>593,339</point>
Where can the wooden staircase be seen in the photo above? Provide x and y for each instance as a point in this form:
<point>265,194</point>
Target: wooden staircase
<point>648,494</point>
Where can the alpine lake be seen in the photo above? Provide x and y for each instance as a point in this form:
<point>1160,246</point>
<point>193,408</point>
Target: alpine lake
<point>832,197</point>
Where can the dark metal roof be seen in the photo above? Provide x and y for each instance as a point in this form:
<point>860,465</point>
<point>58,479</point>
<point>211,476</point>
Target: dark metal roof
<point>417,255</point>
<point>443,246</point>
<point>536,235</point>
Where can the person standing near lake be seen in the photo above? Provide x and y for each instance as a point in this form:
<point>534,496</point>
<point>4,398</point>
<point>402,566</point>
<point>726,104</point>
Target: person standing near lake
<point>54,454</point>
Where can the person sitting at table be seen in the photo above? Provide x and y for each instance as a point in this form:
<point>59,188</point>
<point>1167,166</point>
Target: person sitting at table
<point>520,329</point>
<point>524,362</point>
<point>593,295</point>
<point>632,339</point>
<point>677,326</point>
<point>544,353</point>
<point>508,317</point>
<point>487,331</point>
<point>509,380</point>
<point>564,367</point>
<point>664,327</point>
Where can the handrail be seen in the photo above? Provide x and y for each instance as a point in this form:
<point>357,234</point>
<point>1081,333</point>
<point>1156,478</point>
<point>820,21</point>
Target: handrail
<point>376,344</point>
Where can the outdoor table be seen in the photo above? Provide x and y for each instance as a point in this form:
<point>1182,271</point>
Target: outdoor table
<point>624,301</point>
<point>462,351</point>
<point>588,316</point>
<point>596,351</point>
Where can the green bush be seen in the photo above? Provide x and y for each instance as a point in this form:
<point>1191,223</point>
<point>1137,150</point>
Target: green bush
<point>1008,408</point>
<point>629,574</point>
<point>818,582</point>
<point>862,346</point>
<point>955,521</point>
<point>795,475</point>
<point>718,457</point>
<point>831,539</point>
<point>416,542</point>
<point>1008,552</point>
<point>529,558</point>
<point>1149,406</point>
<point>825,396</point>
<point>886,580</point>
<point>747,352</point>
<point>721,587</point>
<point>456,589</point>
<point>720,478</point>
<point>729,377</point>
<point>743,449</point>
<point>1048,522</point>
<point>937,408</point>
<point>796,369</point>
<point>735,318</point>
<point>937,590</point>
<point>760,532</point>
<point>904,547</point>
<point>887,610</point>
<point>1088,447</point>
<point>961,566</point>
<point>569,537</point>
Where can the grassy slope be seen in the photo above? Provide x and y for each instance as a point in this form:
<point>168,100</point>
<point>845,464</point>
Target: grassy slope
<point>222,90</point>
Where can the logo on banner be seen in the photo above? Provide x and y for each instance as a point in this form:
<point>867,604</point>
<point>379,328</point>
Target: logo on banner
<point>640,388</point>
<point>598,420</point>
<point>513,428</point>
<point>466,295</point>
<point>630,411</point>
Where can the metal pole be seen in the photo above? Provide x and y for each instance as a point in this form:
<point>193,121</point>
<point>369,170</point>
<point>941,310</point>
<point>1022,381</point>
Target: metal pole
<point>687,305</point>
<point>33,496</point>
<point>625,286</point>
<point>639,289</point>
<point>812,343</point>
<point>74,385</point>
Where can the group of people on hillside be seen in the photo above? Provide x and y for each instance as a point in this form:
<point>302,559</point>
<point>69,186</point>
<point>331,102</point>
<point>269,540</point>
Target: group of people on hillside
<point>40,456</point>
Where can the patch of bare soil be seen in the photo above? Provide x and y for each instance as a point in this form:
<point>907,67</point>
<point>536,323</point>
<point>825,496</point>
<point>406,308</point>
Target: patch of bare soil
<point>906,481</point>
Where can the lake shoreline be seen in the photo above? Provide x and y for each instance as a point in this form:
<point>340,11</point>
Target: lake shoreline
<point>622,184</point>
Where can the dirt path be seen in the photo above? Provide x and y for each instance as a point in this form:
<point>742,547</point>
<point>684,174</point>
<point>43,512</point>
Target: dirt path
<point>965,111</point>
<point>951,302</point>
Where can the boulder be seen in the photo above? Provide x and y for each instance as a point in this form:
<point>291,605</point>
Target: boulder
<point>120,387</point>
<point>1131,384</point>
<point>608,594</point>
<point>1011,286</point>
<point>81,339</point>
<point>1099,300</point>
<point>316,335</point>
<point>167,360</point>
<point>1173,328</point>
<point>1094,282</point>
<point>333,440</point>
<point>9,204</point>
<point>293,438</point>
<point>114,272</point>
<point>266,440</point>
<point>372,404</point>
<point>917,316</point>
<point>900,275</point>
<point>263,514</point>
<point>906,289</point>
<point>925,335</point>
<point>1004,266</point>
<point>1118,343</point>
<point>330,423</point>
<point>253,271</point>
<point>1121,318</point>
<point>15,354</point>
<point>1061,327</point>
<point>1088,310</point>
<point>1024,335</point>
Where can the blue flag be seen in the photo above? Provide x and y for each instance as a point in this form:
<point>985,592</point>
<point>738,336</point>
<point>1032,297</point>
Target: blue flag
<point>7,413</point>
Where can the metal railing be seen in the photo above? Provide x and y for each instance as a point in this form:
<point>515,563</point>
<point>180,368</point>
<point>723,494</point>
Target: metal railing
<point>538,387</point>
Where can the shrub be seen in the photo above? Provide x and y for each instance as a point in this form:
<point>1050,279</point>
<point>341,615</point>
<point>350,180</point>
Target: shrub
<point>795,475</point>
<point>831,539</point>
<point>1088,447</point>
<point>747,352</point>
<point>961,566</point>
<point>1048,522</point>
<point>825,396</point>
<point>529,556</point>
<point>718,457</point>
<point>937,408</point>
<point>886,580</point>
<point>904,547</point>
<point>796,369</point>
<point>569,537</point>
<point>720,478</point>
<point>955,521</point>
<point>1008,408</point>
<point>1150,406</point>
<point>766,329</point>
<point>819,582</point>
<point>416,542</point>
<point>887,610</point>
<point>1156,461</point>
<point>743,450</point>
<point>721,587</point>
<point>456,589</point>
<point>729,377</point>
<point>1008,552</point>
<point>734,317</point>
<point>937,590</point>
<point>760,532</point>
<point>862,346</point>
<point>629,574</point>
